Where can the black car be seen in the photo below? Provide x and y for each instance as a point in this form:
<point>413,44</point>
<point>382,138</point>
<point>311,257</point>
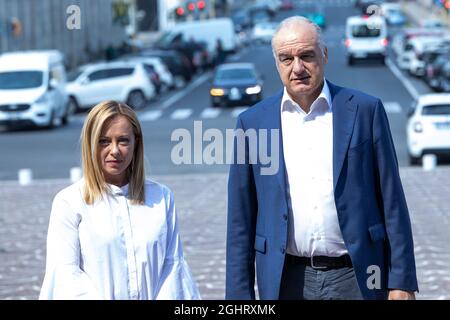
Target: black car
<point>236,84</point>
<point>178,64</point>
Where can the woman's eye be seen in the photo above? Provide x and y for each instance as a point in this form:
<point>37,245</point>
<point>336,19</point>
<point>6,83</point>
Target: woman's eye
<point>103,142</point>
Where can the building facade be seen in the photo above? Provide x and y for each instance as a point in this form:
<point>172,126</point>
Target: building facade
<point>81,29</point>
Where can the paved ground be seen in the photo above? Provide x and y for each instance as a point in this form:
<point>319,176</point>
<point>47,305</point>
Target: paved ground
<point>201,200</point>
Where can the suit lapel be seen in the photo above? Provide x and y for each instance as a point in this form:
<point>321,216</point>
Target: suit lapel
<point>344,112</point>
<point>271,119</point>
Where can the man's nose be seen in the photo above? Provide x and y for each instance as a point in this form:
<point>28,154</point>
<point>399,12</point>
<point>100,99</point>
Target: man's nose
<point>298,65</point>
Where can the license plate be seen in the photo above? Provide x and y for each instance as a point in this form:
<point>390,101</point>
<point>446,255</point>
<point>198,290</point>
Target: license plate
<point>442,125</point>
<point>360,55</point>
<point>14,115</point>
<point>235,94</point>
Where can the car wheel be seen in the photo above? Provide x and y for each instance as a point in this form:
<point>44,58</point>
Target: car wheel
<point>414,160</point>
<point>136,99</point>
<point>51,121</point>
<point>179,82</point>
<point>350,60</point>
<point>72,107</point>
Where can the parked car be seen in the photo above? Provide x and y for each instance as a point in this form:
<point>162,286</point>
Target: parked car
<point>32,89</point>
<point>236,84</point>
<point>400,41</point>
<point>263,32</point>
<point>432,23</point>
<point>164,74</point>
<point>317,16</point>
<point>205,31</point>
<point>435,71</point>
<point>416,48</point>
<point>123,81</point>
<point>428,127</point>
<point>177,63</point>
<point>393,13</point>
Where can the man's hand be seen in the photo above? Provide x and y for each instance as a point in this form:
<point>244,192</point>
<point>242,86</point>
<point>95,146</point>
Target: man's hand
<point>401,295</point>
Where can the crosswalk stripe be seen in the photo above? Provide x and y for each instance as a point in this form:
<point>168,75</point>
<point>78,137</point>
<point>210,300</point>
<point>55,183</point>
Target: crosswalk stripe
<point>151,115</point>
<point>237,111</point>
<point>392,107</point>
<point>209,113</point>
<point>181,114</point>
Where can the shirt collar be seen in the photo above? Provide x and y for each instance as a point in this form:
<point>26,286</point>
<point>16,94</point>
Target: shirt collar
<point>288,104</point>
<point>119,191</point>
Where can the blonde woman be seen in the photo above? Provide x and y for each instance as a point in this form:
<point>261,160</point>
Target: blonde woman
<point>113,234</point>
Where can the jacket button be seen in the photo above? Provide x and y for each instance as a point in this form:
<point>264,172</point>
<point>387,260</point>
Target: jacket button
<point>285,216</point>
<point>283,250</point>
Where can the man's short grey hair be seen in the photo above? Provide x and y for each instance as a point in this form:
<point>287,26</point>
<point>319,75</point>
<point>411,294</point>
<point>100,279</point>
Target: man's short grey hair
<point>295,21</point>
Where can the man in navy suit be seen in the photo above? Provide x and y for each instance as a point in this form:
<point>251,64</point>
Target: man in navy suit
<point>332,222</point>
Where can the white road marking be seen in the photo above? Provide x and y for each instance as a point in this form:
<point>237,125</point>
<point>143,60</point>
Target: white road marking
<point>181,114</point>
<point>177,96</point>
<point>408,85</point>
<point>237,111</point>
<point>209,113</point>
<point>392,107</point>
<point>150,115</point>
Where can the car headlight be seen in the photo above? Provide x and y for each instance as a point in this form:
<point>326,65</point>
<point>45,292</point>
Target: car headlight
<point>253,90</point>
<point>417,127</point>
<point>217,92</point>
<point>42,99</point>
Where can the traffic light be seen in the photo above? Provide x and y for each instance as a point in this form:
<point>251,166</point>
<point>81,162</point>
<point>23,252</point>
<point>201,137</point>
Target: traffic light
<point>201,5</point>
<point>179,13</point>
<point>191,6</point>
<point>447,4</point>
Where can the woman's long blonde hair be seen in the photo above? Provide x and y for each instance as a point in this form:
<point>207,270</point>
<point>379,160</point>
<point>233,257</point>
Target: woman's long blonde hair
<point>94,181</point>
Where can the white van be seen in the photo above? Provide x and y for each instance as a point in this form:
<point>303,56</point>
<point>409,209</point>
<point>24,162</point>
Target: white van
<point>32,89</point>
<point>208,31</point>
<point>365,37</point>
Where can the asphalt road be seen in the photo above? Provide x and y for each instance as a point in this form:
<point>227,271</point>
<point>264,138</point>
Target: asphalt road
<point>51,153</point>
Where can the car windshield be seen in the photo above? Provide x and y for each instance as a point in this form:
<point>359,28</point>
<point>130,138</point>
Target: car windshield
<point>21,80</point>
<point>229,74</point>
<point>72,75</point>
<point>365,31</point>
<point>433,110</point>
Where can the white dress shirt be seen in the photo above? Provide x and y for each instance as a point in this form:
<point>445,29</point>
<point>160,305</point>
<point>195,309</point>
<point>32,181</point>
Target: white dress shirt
<point>308,154</point>
<point>114,249</point>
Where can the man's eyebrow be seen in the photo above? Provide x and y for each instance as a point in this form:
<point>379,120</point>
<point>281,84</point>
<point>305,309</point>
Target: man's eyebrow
<point>307,52</point>
<point>284,55</point>
<point>300,53</point>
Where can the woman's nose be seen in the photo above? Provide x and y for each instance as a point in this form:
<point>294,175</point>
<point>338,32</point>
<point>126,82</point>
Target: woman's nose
<point>114,148</point>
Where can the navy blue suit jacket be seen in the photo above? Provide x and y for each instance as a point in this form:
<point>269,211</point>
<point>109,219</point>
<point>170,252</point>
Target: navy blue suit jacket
<point>371,206</point>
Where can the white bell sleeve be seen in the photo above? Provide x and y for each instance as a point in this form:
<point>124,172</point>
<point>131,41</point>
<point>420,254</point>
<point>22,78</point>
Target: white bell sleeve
<point>176,281</point>
<point>64,279</point>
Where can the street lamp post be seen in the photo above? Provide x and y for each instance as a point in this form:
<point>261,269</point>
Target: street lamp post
<point>212,8</point>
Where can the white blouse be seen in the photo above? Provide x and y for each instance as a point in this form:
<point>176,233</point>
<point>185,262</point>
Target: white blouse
<point>113,249</point>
